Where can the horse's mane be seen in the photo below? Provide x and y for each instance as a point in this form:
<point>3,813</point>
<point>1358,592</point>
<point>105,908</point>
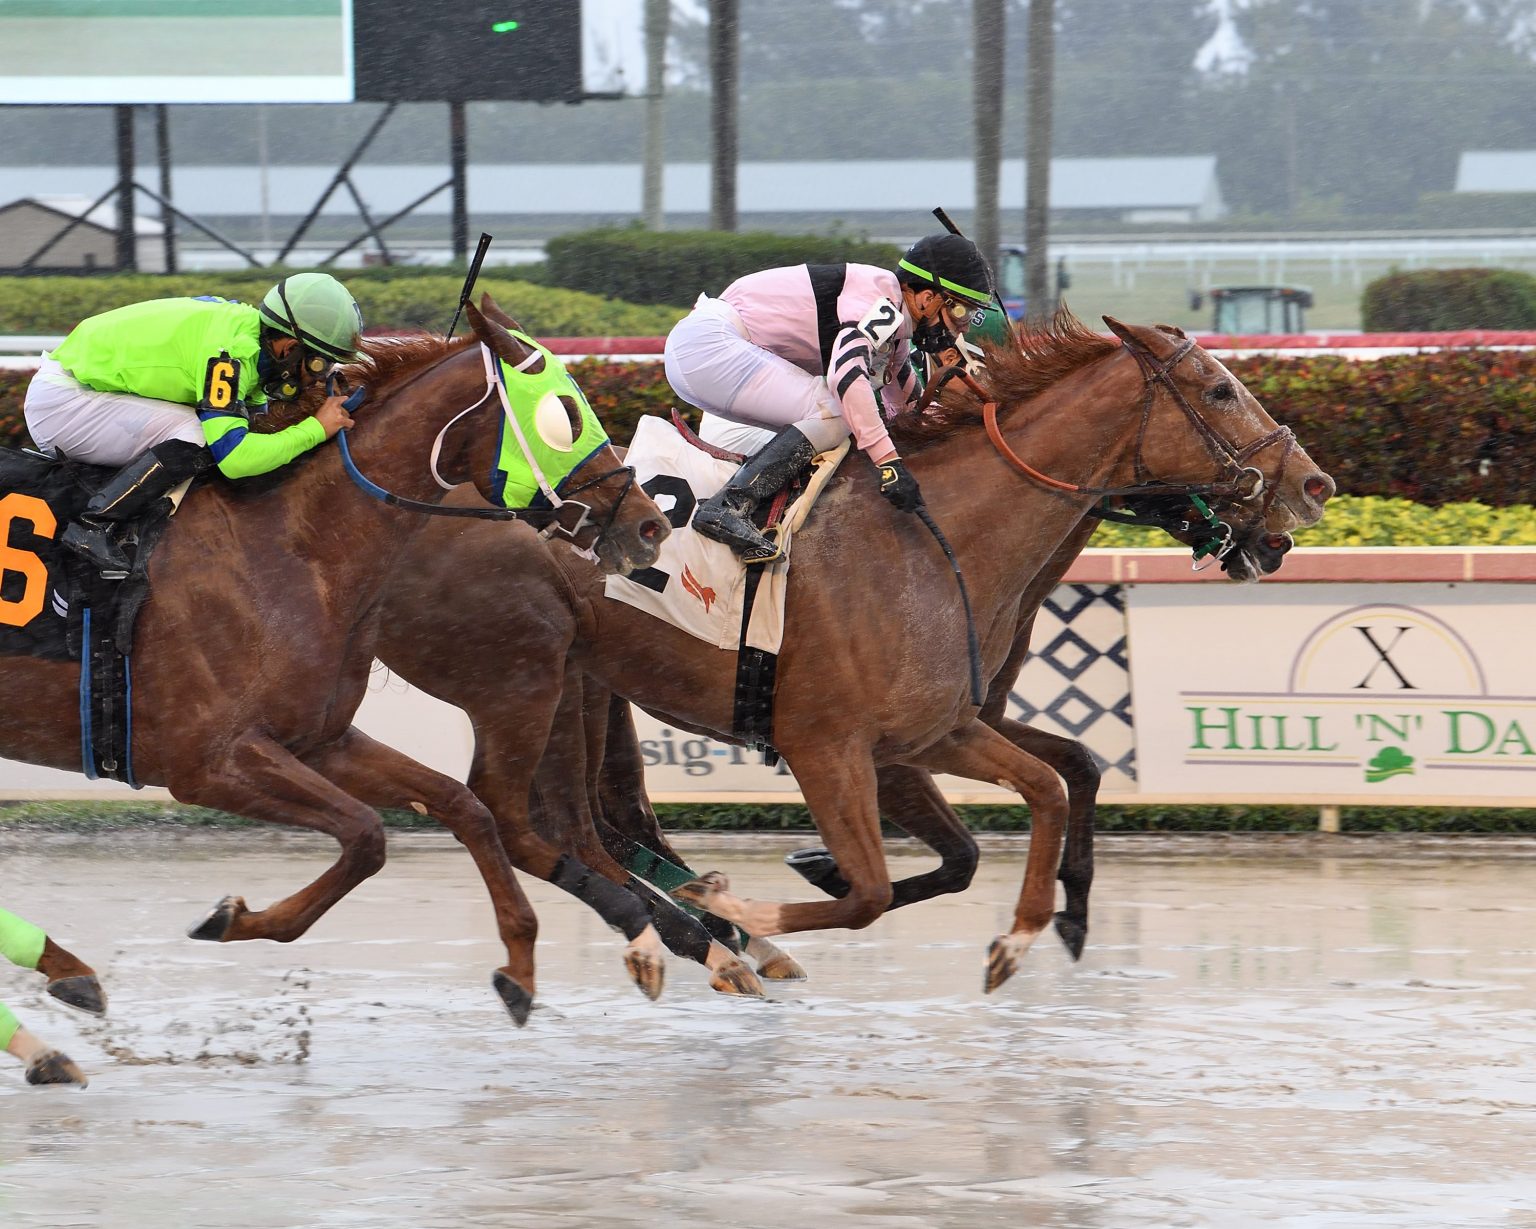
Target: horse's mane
<point>381,361</point>
<point>1030,360</point>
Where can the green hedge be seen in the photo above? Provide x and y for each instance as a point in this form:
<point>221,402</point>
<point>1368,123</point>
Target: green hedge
<point>1440,300</point>
<point>421,300</point>
<point>644,266</point>
<point>1458,427</point>
<point>794,818</point>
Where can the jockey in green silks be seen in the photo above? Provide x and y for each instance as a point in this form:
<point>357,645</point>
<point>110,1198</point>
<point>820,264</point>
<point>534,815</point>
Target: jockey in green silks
<point>22,944</point>
<point>164,389</point>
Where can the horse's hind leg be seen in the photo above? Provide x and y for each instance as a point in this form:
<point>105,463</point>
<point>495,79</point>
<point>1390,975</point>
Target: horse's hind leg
<point>982,754</point>
<point>383,777</point>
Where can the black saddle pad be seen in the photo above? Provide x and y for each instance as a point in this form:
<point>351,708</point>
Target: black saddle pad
<point>41,583</point>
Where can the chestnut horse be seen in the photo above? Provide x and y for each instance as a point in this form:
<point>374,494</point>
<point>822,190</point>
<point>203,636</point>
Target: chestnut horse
<point>619,812</point>
<point>874,671</point>
<point>256,646</point>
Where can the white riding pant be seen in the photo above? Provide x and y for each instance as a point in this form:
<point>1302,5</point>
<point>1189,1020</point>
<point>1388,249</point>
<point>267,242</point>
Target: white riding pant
<point>711,364</point>
<point>101,428</point>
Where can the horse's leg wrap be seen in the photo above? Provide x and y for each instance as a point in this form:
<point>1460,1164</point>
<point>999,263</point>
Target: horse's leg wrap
<point>21,942</point>
<point>669,876</point>
<point>684,935</point>
<point>619,908</point>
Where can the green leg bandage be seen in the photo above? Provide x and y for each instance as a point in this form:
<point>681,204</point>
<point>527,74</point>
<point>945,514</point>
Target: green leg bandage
<point>8,1025</point>
<point>20,942</point>
<point>667,875</point>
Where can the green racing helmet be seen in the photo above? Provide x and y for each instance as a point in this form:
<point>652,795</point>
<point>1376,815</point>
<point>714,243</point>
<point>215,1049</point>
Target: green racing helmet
<point>318,311</point>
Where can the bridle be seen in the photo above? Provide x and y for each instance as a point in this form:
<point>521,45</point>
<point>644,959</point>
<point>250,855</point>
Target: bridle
<point>1239,482</point>
<point>546,519</point>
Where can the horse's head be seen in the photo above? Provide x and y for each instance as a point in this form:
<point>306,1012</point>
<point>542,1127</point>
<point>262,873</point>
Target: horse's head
<point>1203,433</point>
<point>553,456</point>
<point>1216,531</point>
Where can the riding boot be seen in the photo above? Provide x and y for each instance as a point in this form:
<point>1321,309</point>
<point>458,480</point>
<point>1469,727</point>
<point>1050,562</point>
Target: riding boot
<point>727,515</point>
<point>130,491</point>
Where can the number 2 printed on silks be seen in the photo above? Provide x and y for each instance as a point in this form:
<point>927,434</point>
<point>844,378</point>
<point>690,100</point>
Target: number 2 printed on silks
<point>881,322</point>
<point>221,385</point>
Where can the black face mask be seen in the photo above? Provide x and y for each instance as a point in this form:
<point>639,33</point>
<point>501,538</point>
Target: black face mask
<point>280,377</point>
<point>931,337</point>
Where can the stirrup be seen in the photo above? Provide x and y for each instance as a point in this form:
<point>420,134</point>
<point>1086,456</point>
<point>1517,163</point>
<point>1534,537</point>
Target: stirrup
<point>93,544</point>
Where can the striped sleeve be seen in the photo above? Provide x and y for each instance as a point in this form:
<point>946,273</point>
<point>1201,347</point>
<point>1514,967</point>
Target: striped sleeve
<point>849,375</point>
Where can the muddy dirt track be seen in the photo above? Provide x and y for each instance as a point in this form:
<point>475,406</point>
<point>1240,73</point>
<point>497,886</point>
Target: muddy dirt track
<point>1288,1032</point>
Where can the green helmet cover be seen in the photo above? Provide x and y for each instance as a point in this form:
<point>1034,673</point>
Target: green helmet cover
<point>317,310</point>
<point>536,433</point>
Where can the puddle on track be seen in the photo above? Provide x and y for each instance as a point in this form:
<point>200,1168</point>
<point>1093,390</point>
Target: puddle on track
<point>1271,1036</point>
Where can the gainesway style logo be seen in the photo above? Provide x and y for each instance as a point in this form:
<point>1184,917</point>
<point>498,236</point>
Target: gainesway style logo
<point>1378,691</point>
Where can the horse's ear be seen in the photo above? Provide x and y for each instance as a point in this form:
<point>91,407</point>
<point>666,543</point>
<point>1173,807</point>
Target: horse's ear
<point>492,311</point>
<point>495,335</point>
<point>1172,330</point>
<point>1139,336</point>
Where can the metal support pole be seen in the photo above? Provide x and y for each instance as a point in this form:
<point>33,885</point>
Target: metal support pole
<point>724,56</point>
<point>373,130</point>
<point>1328,819</point>
<point>126,248</point>
<point>458,142</point>
<point>163,157</point>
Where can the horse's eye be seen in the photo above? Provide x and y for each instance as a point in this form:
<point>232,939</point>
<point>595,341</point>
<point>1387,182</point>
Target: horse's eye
<point>1221,392</point>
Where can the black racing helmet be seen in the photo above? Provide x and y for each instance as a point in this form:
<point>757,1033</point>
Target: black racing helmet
<point>950,264</point>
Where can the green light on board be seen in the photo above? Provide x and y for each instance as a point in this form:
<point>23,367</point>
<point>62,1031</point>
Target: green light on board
<point>504,27</point>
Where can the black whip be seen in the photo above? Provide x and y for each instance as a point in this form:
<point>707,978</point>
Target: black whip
<point>469,280</point>
<point>977,694</point>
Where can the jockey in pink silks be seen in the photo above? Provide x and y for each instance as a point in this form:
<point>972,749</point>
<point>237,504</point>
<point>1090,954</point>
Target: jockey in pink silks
<point>804,350</point>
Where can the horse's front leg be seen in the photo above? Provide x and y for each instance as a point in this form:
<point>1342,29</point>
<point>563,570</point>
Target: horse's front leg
<point>70,979</point>
<point>980,753</point>
<point>838,785</point>
<point>911,801</point>
<point>257,777</point>
<point>384,778</point>
<point>1075,765</point>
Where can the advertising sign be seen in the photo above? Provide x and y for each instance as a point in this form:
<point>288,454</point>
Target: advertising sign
<point>1360,693</point>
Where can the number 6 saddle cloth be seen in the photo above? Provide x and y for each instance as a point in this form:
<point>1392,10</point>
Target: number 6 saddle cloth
<point>699,585</point>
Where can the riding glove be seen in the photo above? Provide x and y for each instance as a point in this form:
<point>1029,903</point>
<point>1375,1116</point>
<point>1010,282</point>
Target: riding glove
<point>899,486</point>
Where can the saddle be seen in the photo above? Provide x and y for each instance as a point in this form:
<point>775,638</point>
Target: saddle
<point>54,605</point>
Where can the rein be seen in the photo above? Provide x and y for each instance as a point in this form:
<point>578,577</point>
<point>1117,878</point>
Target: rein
<point>544,519</point>
<point>1246,484</point>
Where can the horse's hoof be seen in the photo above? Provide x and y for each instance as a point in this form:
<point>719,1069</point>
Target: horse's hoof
<point>1002,963</point>
<point>53,1067</point>
<point>717,880</point>
<point>782,967</point>
<point>695,892</point>
<point>83,992</point>
<point>736,977</point>
<point>216,926</point>
<point>518,1001</point>
<point>1073,933</point>
<point>647,970</point>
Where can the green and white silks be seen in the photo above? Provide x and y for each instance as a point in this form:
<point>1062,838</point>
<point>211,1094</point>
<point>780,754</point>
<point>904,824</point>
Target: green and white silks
<point>548,429</point>
<point>8,1025</point>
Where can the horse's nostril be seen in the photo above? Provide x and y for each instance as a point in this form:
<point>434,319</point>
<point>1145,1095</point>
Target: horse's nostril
<point>1277,541</point>
<point>650,531</point>
<point>1316,487</point>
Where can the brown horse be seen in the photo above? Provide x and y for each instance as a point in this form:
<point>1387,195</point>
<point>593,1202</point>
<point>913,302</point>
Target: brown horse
<point>875,671</point>
<point>619,812</point>
<point>255,648</point>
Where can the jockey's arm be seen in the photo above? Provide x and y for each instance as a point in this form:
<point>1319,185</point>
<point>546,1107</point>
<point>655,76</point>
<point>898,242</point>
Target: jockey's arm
<point>850,375</point>
<point>238,451</point>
